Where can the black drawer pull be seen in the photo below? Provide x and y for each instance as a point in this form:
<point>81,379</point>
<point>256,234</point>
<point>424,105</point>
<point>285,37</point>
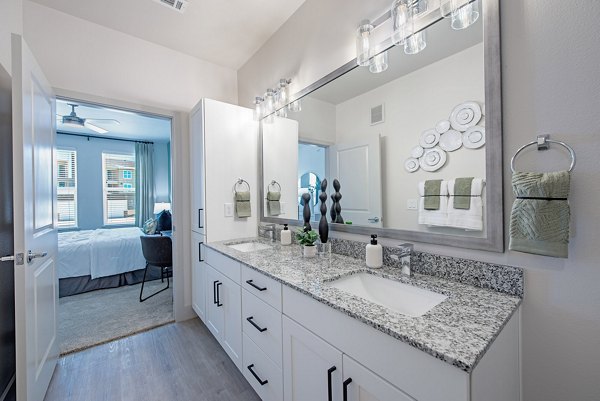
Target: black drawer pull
<point>346,383</point>
<point>215,291</point>
<point>219,295</point>
<point>200,252</point>
<point>261,329</point>
<point>251,282</point>
<point>200,225</point>
<point>329,372</point>
<point>262,382</point>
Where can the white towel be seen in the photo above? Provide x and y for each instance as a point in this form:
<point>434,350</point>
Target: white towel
<point>468,219</point>
<point>434,217</point>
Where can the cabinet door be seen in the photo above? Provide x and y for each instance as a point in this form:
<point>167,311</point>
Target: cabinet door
<point>229,297</point>
<point>215,314</point>
<point>197,176</point>
<point>198,277</point>
<point>360,384</point>
<point>312,369</point>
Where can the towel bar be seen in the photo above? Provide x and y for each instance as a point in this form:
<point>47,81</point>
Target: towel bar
<point>542,143</point>
<point>273,183</point>
<point>240,181</point>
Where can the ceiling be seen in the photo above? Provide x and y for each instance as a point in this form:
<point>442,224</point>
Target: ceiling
<point>133,126</point>
<point>442,42</point>
<point>224,32</point>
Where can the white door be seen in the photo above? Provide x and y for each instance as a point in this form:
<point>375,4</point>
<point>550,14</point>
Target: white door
<point>214,312</point>
<point>360,384</point>
<point>357,166</point>
<point>36,282</point>
<point>312,368</point>
<point>229,297</point>
<point>197,161</point>
<point>198,276</point>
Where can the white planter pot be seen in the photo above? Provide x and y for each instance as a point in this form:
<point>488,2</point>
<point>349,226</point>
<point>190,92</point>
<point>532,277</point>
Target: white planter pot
<point>310,251</point>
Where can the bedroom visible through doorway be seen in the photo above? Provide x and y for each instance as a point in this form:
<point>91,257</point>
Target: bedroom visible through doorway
<point>114,217</point>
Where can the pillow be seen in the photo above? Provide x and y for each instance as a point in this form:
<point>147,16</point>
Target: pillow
<point>164,221</point>
<point>149,227</point>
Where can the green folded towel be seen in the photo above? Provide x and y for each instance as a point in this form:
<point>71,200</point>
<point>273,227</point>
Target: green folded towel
<point>462,193</point>
<point>273,204</point>
<point>242,204</point>
<point>432,194</point>
<point>539,221</point>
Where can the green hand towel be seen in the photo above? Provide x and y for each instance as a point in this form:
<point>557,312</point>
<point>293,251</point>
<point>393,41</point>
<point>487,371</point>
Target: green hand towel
<point>432,194</point>
<point>462,193</point>
<point>539,221</point>
<point>242,204</point>
<point>273,204</point>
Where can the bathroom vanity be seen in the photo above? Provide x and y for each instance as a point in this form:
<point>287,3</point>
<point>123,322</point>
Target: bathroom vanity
<point>297,332</point>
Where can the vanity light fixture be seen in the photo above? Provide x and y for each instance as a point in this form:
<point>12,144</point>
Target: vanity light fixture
<point>363,43</point>
<point>379,63</point>
<point>465,16</point>
<point>401,21</point>
<point>258,108</point>
<point>416,42</point>
<point>284,92</point>
<point>269,106</point>
<point>295,106</point>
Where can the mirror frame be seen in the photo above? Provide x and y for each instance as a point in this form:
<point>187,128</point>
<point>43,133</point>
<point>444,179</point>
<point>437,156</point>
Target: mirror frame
<point>494,207</point>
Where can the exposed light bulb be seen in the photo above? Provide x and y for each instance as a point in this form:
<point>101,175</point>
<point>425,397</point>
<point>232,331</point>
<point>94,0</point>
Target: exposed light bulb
<point>258,108</point>
<point>401,21</point>
<point>363,45</point>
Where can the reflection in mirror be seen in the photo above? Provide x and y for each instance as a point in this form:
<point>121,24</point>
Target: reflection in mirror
<point>407,144</point>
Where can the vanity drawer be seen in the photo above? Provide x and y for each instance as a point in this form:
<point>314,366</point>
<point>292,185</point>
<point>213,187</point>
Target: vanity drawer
<point>262,323</point>
<point>223,264</point>
<point>263,287</point>
<point>261,372</point>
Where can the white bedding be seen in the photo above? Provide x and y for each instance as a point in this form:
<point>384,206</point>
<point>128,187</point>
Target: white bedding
<point>99,253</point>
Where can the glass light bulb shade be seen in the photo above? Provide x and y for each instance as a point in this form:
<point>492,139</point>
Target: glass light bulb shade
<point>295,106</point>
<point>363,44</point>
<point>465,16</point>
<point>402,21</point>
<point>281,113</point>
<point>415,43</point>
<point>284,92</point>
<point>447,7</point>
<point>269,119</point>
<point>257,108</point>
<point>379,63</point>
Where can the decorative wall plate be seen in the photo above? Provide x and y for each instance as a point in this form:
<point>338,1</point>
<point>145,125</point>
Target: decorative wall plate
<point>465,116</point>
<point>442,126</point>
<point>474,137</point>
<point>433,159</point>
<point>451,140</point>
<point>417,152</point>
<point>411,164</point>
<point>429,138</point>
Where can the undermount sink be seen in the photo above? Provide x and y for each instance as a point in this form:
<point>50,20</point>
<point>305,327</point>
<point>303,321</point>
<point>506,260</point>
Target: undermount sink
<point>249,246</point>
<point>402,298</point>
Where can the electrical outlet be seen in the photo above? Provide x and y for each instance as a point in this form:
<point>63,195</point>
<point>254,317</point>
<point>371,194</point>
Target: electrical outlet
<point>229,210</point>
<point>412,204</point>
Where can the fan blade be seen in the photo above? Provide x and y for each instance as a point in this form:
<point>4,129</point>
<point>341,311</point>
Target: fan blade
<point>95,128</point>
<point>105,120</point>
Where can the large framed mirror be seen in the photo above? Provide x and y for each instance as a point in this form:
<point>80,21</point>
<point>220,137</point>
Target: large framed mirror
<point>416,148</point>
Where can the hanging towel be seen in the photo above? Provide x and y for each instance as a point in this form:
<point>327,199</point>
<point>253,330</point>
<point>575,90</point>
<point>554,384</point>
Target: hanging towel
<point>462,193</point>
<point>466,219</point>
<point>433,217</point>
<point>273,203</point>
<point>242,204</point>
<point>539,221</point>
<point>432,194</point>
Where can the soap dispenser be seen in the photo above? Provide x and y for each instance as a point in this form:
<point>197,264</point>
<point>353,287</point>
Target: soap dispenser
<point>374,253</point>
<point>286,235</point>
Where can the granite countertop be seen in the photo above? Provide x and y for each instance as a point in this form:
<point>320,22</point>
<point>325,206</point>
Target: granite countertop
<point>457,331</point>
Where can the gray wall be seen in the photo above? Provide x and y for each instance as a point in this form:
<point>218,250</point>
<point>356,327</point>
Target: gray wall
<point>551,83</point>
<point>89,174</point>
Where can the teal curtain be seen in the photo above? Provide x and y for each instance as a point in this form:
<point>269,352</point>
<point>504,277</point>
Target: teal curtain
<point>144,182</point>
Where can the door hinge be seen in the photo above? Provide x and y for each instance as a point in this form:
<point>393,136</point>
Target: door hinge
<point>19,258</point>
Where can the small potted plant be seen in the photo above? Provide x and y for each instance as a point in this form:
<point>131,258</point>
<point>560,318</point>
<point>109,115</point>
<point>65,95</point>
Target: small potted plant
<point>307,239</point>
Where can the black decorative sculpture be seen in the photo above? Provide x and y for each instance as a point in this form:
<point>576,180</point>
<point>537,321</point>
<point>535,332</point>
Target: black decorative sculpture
<point>332,210</point>
<point>337,196</point>
<point>306,211</point>
<point>323,226</point>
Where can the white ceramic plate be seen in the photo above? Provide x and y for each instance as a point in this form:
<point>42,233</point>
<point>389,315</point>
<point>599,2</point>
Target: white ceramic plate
<point>465,116</point>
<point>433,159</point>
<point>411,164</point>
<point>451,140</point>
<point>417,152</point>
<point>442,126</point>
<point>429,138</point>
<point>474,137</point>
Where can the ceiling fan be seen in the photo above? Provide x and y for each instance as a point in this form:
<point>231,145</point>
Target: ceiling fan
<point>73,120</point>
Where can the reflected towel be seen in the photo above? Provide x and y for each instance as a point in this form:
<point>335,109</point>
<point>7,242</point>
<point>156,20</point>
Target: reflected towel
<point>433,217</point>
<point>242,204</point>
<point>432,194</point>
<point>273,203</point>
<point>471,218</point>
<point>462,193</point>
<point>539,220</point>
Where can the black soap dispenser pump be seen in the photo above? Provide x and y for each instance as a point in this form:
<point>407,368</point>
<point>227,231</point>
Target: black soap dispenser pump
<point>374,253</point>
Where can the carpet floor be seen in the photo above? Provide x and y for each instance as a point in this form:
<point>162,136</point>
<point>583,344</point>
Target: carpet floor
<point>100,316</point>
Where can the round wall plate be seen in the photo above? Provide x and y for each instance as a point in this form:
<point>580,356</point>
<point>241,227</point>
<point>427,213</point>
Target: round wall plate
<point>417,152</point>
<point>429,138</point>
<point>474,137</point>
<point>465,116</point>
<point>411,164</point>
<point>451,140</point>
<point>442,126</point>
<point>433,159</point>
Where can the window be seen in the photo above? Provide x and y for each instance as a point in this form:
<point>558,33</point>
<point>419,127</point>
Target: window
<point>66,167</point>
<point>118,172</point>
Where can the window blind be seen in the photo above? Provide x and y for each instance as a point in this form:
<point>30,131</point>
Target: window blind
<point>119,188</point>
<point>66,167</point>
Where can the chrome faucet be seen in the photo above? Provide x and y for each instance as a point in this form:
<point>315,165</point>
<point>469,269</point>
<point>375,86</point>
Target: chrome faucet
<point>406,251</point>
<point>267,228</point>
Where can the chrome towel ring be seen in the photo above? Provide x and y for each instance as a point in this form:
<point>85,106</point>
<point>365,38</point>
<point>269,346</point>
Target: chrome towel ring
<point>542,143</point>
<point>240,181</point>
<point>272,184</point>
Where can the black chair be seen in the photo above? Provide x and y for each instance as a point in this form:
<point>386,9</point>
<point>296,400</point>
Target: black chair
<point>158,252</point>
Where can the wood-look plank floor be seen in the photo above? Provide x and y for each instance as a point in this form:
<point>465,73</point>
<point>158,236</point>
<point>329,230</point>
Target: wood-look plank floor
<point>177,362</point>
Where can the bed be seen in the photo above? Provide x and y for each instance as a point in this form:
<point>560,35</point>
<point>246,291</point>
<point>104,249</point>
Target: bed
<point>103,258</point>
